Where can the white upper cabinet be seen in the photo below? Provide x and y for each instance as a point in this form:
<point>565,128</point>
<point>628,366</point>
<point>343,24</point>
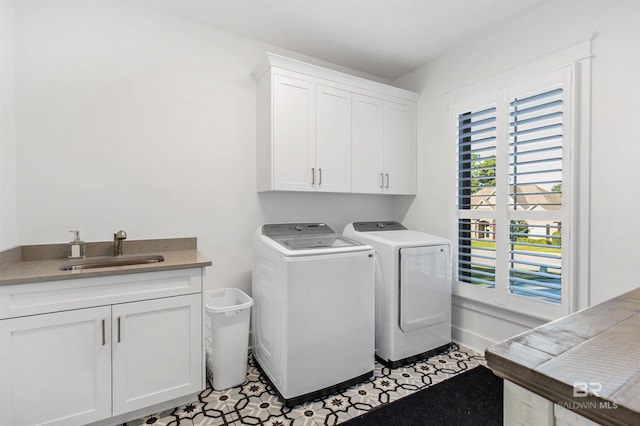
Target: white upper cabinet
<point>383,146</point>
<point>399,148</point>
<point>367,145</point>
<point>333,139</point>
<point>323,130</point>
<point>294,135</point>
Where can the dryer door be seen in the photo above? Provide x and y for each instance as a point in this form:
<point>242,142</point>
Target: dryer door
<point>425,286</point>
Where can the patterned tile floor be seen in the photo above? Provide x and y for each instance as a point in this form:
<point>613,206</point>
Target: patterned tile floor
<point>255,403</point>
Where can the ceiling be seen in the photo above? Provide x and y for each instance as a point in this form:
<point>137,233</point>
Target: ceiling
<point>385,38</point>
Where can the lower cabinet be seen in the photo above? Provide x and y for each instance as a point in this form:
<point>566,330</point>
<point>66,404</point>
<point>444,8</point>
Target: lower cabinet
<point>85,365</point>
<point>523,407</point>
<point>56,368</point>
<point>154,356</point>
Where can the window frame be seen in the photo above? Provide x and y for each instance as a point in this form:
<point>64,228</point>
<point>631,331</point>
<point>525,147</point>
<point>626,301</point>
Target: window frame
<point>500,97</point>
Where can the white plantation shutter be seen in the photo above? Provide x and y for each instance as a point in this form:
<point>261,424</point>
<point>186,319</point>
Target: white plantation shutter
<point>476,153</point>
<point>476,134</point>
<point>536,124</point>
<point>535,149</point>
<point>512,173</point>
<point>535,273</point>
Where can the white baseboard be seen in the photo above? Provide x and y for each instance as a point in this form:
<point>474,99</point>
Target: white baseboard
<point>470,339</point>
<point>157,408</point>
<point>477,325</point>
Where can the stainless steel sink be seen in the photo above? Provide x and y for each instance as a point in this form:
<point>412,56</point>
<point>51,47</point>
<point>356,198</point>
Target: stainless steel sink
<point>107,262</point>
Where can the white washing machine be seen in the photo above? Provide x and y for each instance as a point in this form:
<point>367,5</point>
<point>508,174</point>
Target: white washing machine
<point>313,314</point>
<point>413,290</point>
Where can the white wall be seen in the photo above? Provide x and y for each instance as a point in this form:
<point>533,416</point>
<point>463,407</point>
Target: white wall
<point>8,224</point>
<point>614,248</point>
<point>129,118</point>
<point>133,119</point>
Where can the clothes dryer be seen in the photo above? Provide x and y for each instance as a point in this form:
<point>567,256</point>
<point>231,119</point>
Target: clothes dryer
<point>313,313</point>
<point>413,290</point>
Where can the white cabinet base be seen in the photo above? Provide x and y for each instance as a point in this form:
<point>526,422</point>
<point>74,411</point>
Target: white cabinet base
<point>147,411</point>
<point>525,408</point>
<point>103,349</point>
<point>55,369</point>
<point>564,417</point>
<point>157,351</point>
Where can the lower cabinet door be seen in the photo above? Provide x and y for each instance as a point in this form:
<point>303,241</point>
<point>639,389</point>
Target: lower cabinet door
<point>55,369</point>
<point>157,351</point>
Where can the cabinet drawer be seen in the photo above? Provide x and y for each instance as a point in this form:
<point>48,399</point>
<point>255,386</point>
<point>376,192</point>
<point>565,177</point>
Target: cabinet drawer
<point>37,298</point>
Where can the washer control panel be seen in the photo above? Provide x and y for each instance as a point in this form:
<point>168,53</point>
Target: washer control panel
<point>378,226</point>
<point>290,229</point>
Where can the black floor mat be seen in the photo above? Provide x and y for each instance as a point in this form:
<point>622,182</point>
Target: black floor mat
<point>470,398</point>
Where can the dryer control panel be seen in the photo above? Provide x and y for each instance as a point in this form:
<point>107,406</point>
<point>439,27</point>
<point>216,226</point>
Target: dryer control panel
<point>378,226</point>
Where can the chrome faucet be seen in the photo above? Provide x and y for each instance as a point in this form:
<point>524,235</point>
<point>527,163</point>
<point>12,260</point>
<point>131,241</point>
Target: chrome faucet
<point>118,238</point>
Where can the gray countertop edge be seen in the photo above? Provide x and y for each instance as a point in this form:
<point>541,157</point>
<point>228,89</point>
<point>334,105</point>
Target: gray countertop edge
<point>559,392</point>
<point>42,263</point>
<point>520,360</point>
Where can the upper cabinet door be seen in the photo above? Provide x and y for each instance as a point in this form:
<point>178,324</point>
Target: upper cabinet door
<point>399,148</point>
<point>294,133</point>
<point>333,140</point>
<point>367,144</point>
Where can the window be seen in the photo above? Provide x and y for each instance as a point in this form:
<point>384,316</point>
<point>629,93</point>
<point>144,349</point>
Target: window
<point>513,181</point>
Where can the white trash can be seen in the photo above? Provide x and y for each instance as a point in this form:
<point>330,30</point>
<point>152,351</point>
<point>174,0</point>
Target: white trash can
<point>227,339</point>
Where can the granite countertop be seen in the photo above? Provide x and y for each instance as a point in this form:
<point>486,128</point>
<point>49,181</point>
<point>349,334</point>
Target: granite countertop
<point>37,263</point>
<point>596,350</point>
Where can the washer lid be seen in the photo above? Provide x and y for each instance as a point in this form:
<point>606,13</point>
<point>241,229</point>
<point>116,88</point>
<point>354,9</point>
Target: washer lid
<point>295,229</point>
<point>307,236</point>
<point>407,238</point>
<point>318,242</point>
<point>390,234</point>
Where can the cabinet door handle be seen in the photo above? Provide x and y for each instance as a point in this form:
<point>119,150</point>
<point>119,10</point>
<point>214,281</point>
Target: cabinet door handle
<point>313,176</point>
<point>320,177</point>
<point>381,180</point>
<point>119,330</point>
<point>387,185</point>
<point>104,332</point>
